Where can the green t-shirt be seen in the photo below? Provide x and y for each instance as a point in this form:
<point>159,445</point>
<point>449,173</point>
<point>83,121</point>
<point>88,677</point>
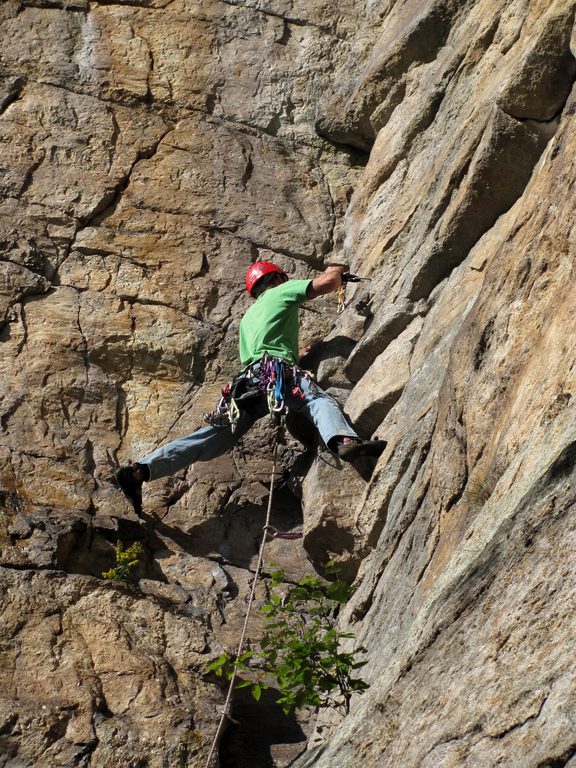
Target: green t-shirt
<point>271,323</point>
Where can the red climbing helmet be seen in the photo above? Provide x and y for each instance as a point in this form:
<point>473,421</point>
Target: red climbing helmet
<point>258,270</point>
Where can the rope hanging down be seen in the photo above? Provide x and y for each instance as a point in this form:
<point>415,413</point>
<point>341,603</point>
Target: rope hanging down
<point>227,704</point>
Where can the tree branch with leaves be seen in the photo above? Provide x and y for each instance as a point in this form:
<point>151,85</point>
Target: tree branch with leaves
<point>300,650</point>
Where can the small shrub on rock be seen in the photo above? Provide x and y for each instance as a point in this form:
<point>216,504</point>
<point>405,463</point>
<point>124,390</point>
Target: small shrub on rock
<point>126,560</point>
<point>300,649</point>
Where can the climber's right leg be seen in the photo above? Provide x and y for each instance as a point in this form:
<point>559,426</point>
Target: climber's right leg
<point>202,445</point>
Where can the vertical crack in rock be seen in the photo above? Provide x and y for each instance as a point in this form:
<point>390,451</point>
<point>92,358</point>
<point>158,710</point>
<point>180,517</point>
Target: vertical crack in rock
<point>247,153</point>
<point>29,177</point>
<point>149,98</point>
<point>13,93</point>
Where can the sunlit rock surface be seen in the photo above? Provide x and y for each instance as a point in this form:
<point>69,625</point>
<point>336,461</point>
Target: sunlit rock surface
<point>149,152</point>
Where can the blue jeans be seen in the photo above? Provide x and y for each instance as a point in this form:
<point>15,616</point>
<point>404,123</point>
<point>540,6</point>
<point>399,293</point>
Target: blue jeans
<point>209,442</point>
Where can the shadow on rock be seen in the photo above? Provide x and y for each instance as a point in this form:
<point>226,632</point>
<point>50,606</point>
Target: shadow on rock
<point>263,736</point>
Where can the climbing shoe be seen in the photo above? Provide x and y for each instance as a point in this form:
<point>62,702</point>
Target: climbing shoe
<point>358,448</point>
<point>130,486</point>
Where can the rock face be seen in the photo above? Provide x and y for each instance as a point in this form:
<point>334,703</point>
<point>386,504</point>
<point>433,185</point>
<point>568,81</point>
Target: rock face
<point>150,151</point>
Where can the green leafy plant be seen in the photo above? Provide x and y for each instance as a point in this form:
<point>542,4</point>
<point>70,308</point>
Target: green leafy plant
<point>300,649</point>
<point>126,560</point>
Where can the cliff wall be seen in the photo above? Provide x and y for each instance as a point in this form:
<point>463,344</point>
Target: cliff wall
<point>150,151</point>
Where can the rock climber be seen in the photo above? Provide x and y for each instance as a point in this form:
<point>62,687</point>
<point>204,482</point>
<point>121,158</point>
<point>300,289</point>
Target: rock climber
<point>270,380</point>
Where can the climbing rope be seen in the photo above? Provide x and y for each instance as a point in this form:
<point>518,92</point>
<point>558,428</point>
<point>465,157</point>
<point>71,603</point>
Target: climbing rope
<point>228,702</point>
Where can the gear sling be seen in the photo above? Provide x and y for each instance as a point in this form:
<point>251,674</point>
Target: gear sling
<point>269,378</point>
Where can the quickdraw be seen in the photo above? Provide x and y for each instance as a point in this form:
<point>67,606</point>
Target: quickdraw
<point>271,376</point>
<point>347,277</point>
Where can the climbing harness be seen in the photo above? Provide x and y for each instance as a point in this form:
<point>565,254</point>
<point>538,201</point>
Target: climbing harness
<point>270,377</point>
<point>266,531</point>
<point>235,397</point>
